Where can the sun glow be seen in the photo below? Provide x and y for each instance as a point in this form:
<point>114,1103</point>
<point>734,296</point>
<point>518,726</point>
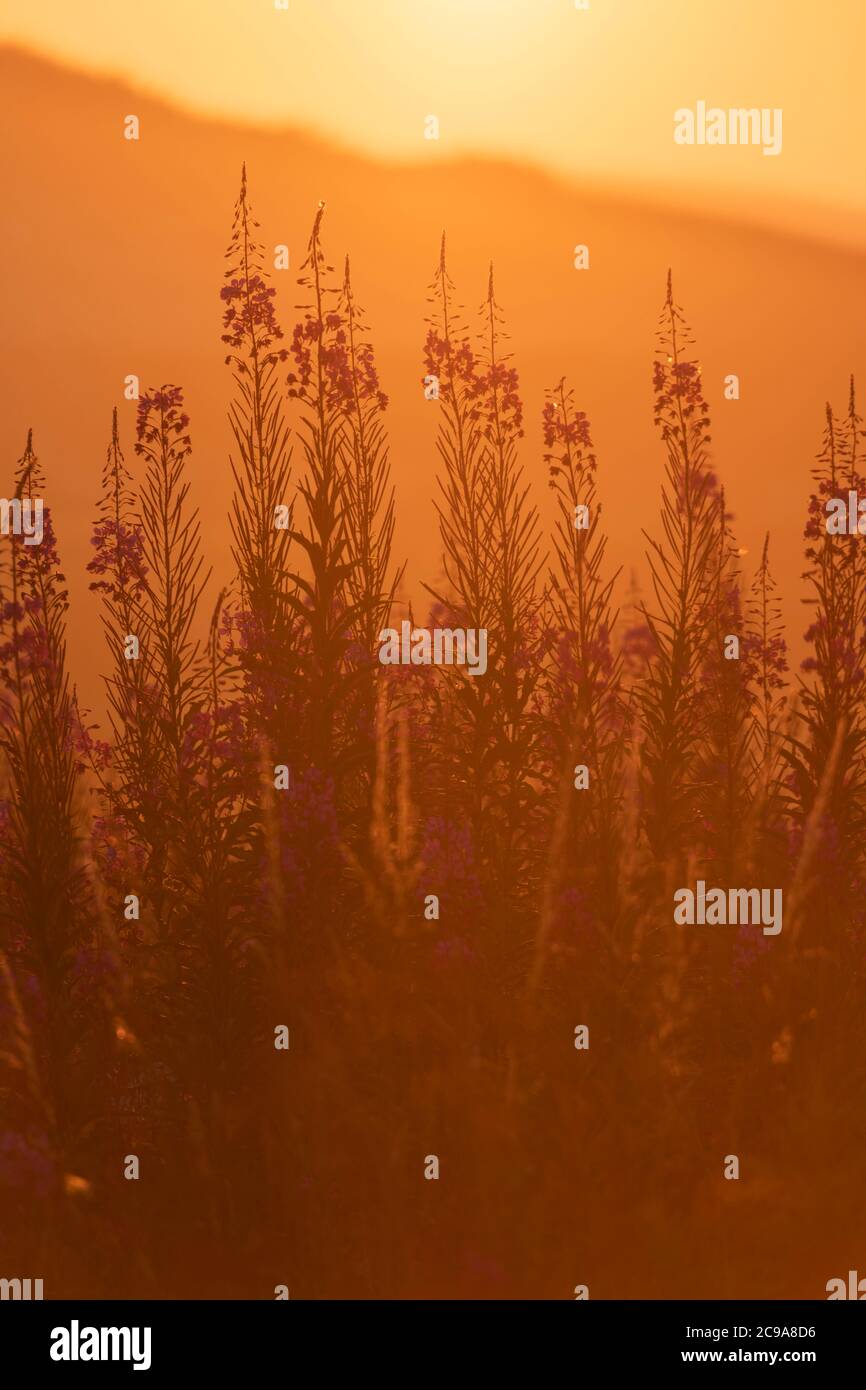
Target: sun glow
<point>588,93</point>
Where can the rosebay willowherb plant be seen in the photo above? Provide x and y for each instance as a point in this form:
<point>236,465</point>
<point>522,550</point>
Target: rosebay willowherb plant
<point>724,770</point>
<point>767,654</point>
<point>119,564</point>
<point>682,572</point>
<point>262,503</point>
<point>515,561</point>
<point>464,595</point>
<point>324,386</point>
<point>490,535</point>
<point>323,920</point>
<point>834,696</point>
<point>172,581</point>
<point>46,927</point>
<point>368,501</point>
<point>585,718</point>
<point>825,752</point>
<point>462,504</point>
<point>368,491</point>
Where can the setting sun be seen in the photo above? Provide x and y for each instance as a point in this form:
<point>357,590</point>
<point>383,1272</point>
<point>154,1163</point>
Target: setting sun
<point>534,80</point>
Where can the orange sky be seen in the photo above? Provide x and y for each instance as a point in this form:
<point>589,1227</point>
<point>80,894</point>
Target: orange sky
<point>590,94</point>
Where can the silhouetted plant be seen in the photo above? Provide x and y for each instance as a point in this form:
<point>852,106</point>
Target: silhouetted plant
<point>766,651</point>
<point>261,469</point>
<point>165,609</point>
<point>585,719</point>
<point>725,766</point>
<point>490,538</point>
<point>368,502</point>
<point>681,569</point>
<point>119,563</point>
<point>831,728</point>
<point>323,383</point>
<point>44,912</point>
